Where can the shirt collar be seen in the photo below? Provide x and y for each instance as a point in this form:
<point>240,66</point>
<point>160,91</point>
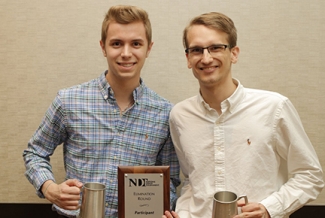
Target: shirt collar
<point>230,103</point>
<point>108,93</point>
<point>236,97</point>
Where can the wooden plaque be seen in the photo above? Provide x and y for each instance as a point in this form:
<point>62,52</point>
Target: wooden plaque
<point>143,191</point>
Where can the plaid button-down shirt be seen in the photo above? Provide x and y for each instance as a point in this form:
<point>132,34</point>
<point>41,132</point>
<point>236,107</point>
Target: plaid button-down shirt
<point>97,139</point>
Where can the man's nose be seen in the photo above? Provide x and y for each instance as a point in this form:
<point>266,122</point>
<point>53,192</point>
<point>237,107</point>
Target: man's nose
<point>206,56</point>
<point>127,51</point>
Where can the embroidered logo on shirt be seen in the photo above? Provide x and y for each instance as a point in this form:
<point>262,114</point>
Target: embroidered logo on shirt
<point>248,142</point>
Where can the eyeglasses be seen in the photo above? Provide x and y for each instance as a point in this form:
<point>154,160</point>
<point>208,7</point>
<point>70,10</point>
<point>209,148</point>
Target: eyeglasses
<point>212,49</point>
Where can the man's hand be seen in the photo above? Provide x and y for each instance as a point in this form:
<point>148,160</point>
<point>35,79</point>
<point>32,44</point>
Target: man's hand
<point>253,210</point>
<point>65,195</point>
<point>170,215</point>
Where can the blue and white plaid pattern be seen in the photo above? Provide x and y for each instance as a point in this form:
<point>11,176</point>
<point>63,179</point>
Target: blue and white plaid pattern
<point>96,138</point>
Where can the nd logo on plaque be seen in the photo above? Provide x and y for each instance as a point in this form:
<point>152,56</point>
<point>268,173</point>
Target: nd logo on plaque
<point>143,191</point>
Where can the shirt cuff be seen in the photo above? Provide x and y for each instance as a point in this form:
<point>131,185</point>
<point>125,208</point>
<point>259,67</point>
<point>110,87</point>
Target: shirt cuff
<point>273,206</point>
<point>39,187</point>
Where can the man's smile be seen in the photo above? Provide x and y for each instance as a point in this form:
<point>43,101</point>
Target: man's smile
<point>126,64</point>
<point>208,69</point>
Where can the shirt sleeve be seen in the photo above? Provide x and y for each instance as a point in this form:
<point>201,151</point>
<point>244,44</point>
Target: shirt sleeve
<point>183,202</point>
<point>41,146</point>
<point>300,160</point>
<point>167,157</point>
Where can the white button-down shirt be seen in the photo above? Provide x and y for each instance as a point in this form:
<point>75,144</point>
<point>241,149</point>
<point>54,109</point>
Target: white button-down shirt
<point>257,147</point>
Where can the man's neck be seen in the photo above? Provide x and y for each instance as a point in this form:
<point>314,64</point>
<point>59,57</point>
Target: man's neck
<point>214,95</point>
<point>123,90</point>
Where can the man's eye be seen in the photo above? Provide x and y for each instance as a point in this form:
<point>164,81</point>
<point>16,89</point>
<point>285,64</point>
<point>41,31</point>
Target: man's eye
<point>196,50</point>
<point>116,44</point>
<point>215,48</point>
<point>137,44</point>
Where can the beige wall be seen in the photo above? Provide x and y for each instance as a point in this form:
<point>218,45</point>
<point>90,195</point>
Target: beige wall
<point>49,45</point>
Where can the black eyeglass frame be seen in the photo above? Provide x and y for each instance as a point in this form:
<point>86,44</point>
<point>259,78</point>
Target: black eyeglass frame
<point>208,48</point>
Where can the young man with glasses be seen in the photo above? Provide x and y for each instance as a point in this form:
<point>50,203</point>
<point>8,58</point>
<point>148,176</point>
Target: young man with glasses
<point>232,138</point>
<point>112,120</point>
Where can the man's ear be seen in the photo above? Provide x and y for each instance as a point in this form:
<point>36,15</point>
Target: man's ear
<point>149,49</point>
<point>102,46</point>
<point>234,54</point>
<point>189,65</point>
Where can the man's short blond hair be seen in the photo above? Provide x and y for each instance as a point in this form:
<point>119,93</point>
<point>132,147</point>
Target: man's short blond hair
<point>125,14</point>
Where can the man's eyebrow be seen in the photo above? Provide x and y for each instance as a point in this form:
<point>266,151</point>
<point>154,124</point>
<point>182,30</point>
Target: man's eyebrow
<point>139,39</point>
<point>194,46</point>
<point>114,39</point>
<point>121,40</point>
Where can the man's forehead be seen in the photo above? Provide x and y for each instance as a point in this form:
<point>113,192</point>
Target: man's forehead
<point>134,31</point>
<point>200,35</point>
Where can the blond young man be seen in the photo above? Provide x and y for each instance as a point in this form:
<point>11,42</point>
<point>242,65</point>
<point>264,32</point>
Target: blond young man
<point>109,121</point>
<point>233,138</point>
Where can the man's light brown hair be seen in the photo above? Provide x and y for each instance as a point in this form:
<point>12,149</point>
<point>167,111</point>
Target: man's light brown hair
<point>125,14</point>
<point>217,21</point>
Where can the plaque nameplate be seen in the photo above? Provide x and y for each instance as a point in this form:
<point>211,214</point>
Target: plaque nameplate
<point>143,191</point>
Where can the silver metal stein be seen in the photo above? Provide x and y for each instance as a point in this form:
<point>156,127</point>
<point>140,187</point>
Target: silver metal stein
<point>225,204</point>
<point>93,200</point>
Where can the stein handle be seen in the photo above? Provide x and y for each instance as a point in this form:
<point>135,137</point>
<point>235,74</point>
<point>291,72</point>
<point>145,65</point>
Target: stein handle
<point>80,201</point>
<point>245,197</point>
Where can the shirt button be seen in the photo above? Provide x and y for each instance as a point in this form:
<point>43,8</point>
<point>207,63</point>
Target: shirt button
<point>106,204</point>
<point>105,96</point>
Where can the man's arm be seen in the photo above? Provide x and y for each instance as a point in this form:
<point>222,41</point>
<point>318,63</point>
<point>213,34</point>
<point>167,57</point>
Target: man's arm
<point>183,202</point>
<point>41,146</point>
<point>168,157</point>
<point>302,165</point>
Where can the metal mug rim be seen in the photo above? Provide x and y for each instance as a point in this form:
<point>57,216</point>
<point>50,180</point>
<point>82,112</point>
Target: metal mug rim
<point>225,202</point>
<point>94,189</point>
